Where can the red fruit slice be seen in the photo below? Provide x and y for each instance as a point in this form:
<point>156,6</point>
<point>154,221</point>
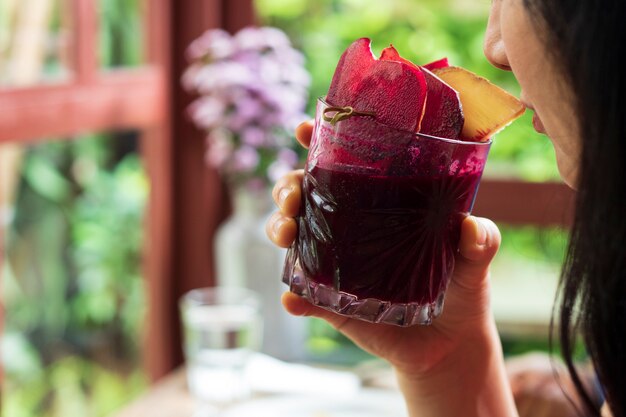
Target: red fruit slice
<point>351,70</point>
<point>443,115</point>
<point>440,63</point>
<point>394,91</point>
<point>391,54</point>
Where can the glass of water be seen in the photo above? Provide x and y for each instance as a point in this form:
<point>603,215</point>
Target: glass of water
<point>222,326</point>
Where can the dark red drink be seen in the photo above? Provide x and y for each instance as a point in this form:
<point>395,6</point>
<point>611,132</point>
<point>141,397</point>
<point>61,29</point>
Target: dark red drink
<point>380,221</point>
<point>390,238</point>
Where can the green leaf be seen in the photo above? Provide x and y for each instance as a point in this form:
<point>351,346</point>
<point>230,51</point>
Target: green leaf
<point>46,180</point>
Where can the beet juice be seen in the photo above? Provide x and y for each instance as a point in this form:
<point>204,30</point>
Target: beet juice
<point>380,220</point>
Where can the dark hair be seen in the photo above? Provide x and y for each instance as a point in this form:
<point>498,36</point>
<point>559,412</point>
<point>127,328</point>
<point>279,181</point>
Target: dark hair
<point>585,38</point>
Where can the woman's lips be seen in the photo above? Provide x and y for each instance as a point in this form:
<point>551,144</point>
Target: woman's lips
<point>537,124</point>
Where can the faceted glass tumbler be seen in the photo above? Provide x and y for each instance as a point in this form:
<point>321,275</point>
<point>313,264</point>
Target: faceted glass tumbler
<point>380,220</point>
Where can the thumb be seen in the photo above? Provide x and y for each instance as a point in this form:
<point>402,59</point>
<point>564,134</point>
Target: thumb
<point>480,241</point>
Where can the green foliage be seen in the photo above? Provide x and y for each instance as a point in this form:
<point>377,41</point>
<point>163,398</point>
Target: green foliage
<point>121,33</point>
<point>109,215</point>
<point>75,243</point>
<point>71,386</point>
<point>536,245</point>
<point>517,346</point>
<point>72,280</point>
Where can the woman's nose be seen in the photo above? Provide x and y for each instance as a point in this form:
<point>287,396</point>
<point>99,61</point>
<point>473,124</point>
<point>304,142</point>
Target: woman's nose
<point>493,47</point>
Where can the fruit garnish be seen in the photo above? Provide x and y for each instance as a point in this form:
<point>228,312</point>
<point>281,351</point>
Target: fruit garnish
<point>435,99</point>
<point>391,54</point>
<point>440,63</point>
<point>351,70</point>
<point>394,91</point>
<point>443,115</point>
<point>487,108</point>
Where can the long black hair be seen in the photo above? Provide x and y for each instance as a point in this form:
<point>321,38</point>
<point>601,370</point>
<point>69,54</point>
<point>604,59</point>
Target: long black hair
<point>586,38</point>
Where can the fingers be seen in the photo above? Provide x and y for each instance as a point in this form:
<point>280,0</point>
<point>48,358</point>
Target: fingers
<point>304,133</point>
<point>368,336</point>
<point>281,228</point>
<point>480,241</point>
<point>298,306</point>
<point>287,193</point>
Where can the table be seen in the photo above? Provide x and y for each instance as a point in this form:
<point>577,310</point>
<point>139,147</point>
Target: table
<point>169,397</point>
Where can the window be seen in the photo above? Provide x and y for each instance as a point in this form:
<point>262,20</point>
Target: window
<point>65,70</point>
<point>89,79</point>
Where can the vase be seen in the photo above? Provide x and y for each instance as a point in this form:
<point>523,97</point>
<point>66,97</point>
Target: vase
<point>245,256</point>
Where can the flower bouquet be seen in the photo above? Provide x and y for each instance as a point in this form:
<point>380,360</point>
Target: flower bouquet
<point>252,90</point>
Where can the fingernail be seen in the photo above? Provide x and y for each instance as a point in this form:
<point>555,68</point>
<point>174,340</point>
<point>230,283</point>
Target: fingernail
<point>283,195</point>
<point>278,223</point>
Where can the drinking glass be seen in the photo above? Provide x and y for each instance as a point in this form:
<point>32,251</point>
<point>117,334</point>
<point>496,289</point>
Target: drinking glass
<point>380,220</point>
<point>222,326</point>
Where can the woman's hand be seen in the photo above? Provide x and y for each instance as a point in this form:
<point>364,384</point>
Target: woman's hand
<point>462,342</point>
<point>418,348</point>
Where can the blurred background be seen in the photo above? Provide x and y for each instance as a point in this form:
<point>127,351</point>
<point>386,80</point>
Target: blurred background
<point>111,207</point>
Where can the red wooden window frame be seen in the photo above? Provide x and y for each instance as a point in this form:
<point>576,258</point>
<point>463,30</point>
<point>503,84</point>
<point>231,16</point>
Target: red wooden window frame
<point>95,101</point>
<point>187,201</point>
<point>195,202</point>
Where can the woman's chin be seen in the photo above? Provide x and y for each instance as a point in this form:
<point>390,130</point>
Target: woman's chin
<point>569,174</point>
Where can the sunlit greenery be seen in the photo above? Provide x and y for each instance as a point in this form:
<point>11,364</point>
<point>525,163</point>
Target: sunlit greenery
<point>121,32</point>
<point>71,279</point>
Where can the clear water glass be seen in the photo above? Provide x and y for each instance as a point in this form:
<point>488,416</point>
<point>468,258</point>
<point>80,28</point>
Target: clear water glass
<point>222,327</point>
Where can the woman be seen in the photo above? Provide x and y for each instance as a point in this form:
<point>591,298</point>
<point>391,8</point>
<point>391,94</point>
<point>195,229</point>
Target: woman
<point>563,54</point>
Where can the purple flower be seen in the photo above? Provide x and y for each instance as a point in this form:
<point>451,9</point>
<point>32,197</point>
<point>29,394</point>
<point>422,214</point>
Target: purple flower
<point>253,90</point>
<point>287,160</point>
<point>221,76</point>
<point>245,159</point>
<point>278,169</point>
<point>214,44</point>
<point>190,75</point>
<point>288,157</point>
<point>290,57</point>
<point>295,120</point>
<point>253,136</point>
<point>297,76</point>
<point>219,148</point>
<point>249,108</point>
<point>270,71</point>
<point>261,39</point>
<point>207,112</point>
